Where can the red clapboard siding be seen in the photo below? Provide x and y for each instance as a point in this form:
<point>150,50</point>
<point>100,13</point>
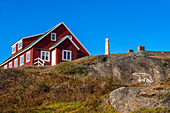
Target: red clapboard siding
<point>45,43</point>
<point>66,45</point>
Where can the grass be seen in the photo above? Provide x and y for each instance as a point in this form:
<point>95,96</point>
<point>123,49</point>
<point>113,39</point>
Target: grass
<point>166,59</point>
<point>38,89</point>
<point>66,87</point>
<point>70,68</point>
<point>87,60</point>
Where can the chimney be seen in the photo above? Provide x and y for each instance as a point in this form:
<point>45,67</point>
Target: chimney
<point>107,52</point>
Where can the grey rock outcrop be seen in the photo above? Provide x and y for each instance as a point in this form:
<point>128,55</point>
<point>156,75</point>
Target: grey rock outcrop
<point>126,99</point>
<point>124,65</point>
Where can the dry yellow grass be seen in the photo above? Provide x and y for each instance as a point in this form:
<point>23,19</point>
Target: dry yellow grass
<point>166,59</point>
<point>87,60</point>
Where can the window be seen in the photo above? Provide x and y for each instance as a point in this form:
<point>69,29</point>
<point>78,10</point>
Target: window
<point>5,67</point>
<point>15,62</point>
<point>19,45</point>
<point>53,36</point>
<point>67,55</point>
<point>45,55</point>
<point>28,56</point>
<point>21,60</point>
<point>10,65</point>
<point>13,49</point>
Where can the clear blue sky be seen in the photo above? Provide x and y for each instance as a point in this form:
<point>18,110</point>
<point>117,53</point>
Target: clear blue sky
<point>127,23</point>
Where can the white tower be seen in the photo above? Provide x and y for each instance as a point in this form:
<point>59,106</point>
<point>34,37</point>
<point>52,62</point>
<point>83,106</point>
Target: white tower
<point>107,52</point>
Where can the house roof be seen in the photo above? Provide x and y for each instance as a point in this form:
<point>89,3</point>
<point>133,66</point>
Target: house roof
<point>37,40</point>
<point>27,37</point>
<point>62,40</point>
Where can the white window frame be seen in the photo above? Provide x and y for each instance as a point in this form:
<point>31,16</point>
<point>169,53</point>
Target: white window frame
<point>66,55</point>
<point>18,45</point>
<point>16,65</point>
<point>45,56</point>
<point>51,36</point>
<point>5,67</point>
<point>10,65</point>
<point>12,49</point>
<point>27,60</point>
<point>23,60</point>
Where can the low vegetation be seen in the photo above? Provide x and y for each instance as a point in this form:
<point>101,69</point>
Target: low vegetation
<point>66,87</point>
<point>38,89</point>
<point>70,68</point>
<point>166,59</point>
<point>87,60</point>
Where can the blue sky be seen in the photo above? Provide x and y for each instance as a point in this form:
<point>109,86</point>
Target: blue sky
<point>127,23</point>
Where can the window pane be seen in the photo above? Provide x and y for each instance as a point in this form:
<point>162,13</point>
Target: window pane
<point>53,37</point>
<point>64,55</point>
<point>20,45</point>
<point>21,60</point>
<point>10,65</point>
<point>16,63</point>
<point>28,56</point>
<point>13,49</point>
<point>47,55</point>
<point>68,55</point>
<point>43,55</point>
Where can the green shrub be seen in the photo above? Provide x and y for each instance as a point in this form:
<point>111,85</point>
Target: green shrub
<point>136,84</point>
<point>110,108</point>
<point>70,68</point>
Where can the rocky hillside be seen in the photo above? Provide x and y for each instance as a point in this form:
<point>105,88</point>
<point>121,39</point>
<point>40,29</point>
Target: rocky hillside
<point>130,67</point>
<point>102,83</point>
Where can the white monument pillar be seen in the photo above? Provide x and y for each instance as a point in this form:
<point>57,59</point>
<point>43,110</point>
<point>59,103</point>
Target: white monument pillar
<point>107,52</point>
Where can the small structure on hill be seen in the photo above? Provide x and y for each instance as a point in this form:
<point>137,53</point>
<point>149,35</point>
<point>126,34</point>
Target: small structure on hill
<point>107,52</point>
<point>140,48</point>
<point>129,51</point>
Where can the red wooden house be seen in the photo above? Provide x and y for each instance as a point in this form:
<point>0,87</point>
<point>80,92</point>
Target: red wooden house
<point>56,45</point>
